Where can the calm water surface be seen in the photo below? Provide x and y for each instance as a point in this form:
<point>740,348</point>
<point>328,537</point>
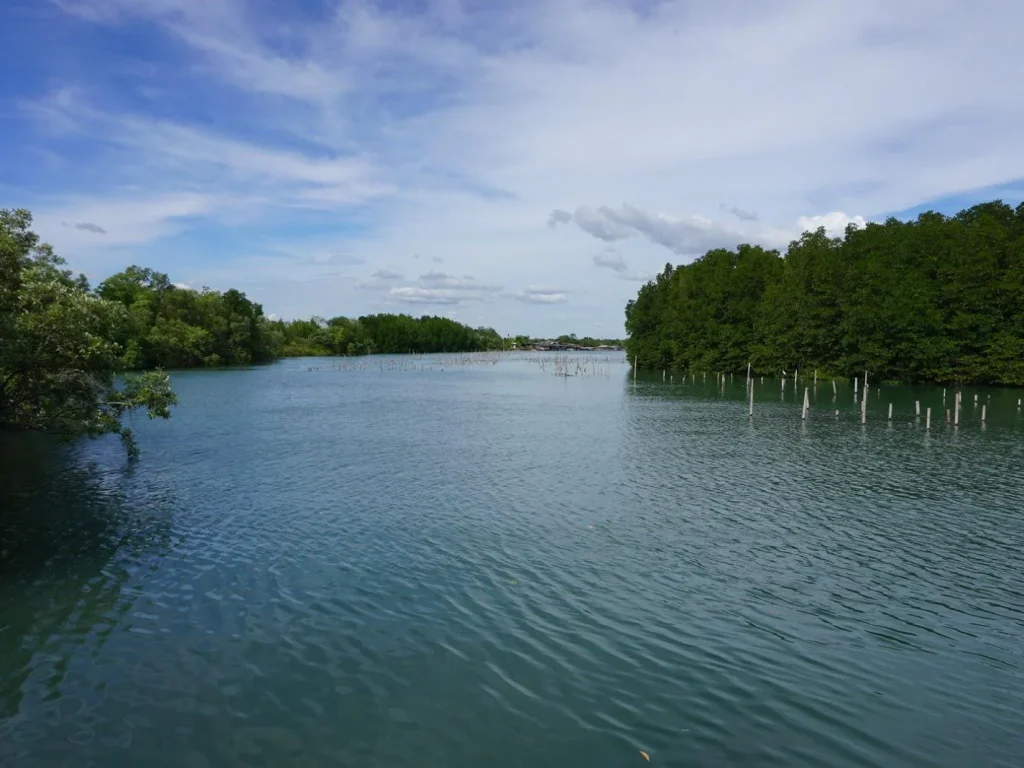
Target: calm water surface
<point>430,562</point>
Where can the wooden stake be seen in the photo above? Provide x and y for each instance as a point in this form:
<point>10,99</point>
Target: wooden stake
<point>855,385</point>
<point>748,370</point>
<point>807,403</point>
<point>956,411</point>
<point>634,368</point>
<point>890,411</point>
<point>751,401</point>
<point>833,386</point>
<point>864,406</point>
<point>928,419</point>
<point>917,407</point>
<point>983,413</point>
<point>947,415</point>
<point>815,377</point>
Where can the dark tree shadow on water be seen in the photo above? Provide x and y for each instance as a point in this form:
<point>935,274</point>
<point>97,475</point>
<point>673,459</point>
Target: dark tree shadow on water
<point>72,536</point>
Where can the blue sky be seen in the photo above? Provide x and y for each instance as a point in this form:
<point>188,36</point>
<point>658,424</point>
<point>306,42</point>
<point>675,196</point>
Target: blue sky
<point>524,166</point>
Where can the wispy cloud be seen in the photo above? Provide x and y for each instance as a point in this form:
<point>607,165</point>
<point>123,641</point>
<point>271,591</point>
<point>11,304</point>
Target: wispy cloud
<point>541,294</point>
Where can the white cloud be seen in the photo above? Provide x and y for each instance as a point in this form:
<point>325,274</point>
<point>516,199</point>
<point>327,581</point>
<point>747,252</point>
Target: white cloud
<point>835,223</point>
<point>414,295</point>
<point>450,282</point>
<point>540,294</point>
<point>693,235</point>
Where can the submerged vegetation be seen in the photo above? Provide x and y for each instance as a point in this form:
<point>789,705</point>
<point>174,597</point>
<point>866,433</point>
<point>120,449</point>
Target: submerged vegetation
<point>940,299</point>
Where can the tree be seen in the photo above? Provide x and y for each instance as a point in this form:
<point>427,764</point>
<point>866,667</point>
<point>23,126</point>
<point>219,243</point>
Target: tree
<point>934,299</point>
<point>58,351</point>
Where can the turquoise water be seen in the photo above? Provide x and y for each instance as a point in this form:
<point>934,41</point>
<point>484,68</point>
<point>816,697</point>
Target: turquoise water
<point>461,561</point>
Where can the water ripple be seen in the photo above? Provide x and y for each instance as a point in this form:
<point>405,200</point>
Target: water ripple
<point>485,563</point>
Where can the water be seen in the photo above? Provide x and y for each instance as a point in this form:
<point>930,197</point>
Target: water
<point>420,562</point>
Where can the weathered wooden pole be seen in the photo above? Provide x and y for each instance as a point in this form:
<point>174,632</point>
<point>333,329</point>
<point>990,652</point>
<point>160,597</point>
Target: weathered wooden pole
<point>983,413</point>
<point>864,406</point>
<point>928,419</point>
<point>917,407</point>
<point>855,386</point>
<point>833,386</point>
<point>890,411</point>
<point>751,400</point>
<point>635,364</point>
<point>807,404</point>
<point>956,410</point>
<point>815,377</point>
<point>748,371</point>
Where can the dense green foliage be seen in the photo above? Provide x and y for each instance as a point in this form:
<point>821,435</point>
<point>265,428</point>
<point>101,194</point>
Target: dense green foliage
<point>176,327</point>
<point>59,353</point>
<point>935,299</point>
<point>173,327</point>
<point>385,333</point>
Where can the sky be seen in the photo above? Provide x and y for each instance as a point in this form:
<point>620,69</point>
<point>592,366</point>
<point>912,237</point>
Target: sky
<point>524,166</point>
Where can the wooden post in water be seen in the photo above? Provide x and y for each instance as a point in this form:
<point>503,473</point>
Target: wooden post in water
<point>815,377</point>
<point>983,413</point>
<point>748,372</point>
<point>956,410</point>
<point>751,400</point>
<point>864,406</point>
<point>634,368</point>
<point>917,407</point>
<point>807,404</point>
<point>928,419</point>
<point>833,386</point>
<point>796,376</point>
<point>947,416</point>
<point>890,411</point>
<point>855,386</point>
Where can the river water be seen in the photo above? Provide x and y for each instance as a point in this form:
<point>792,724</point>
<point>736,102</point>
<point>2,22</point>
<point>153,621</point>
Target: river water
<point>462,561</point>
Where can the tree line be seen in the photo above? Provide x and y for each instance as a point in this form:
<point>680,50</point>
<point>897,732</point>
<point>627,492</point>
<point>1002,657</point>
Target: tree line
<point>174,327</point>
<point>65,345</point>
<point>936,299</point>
